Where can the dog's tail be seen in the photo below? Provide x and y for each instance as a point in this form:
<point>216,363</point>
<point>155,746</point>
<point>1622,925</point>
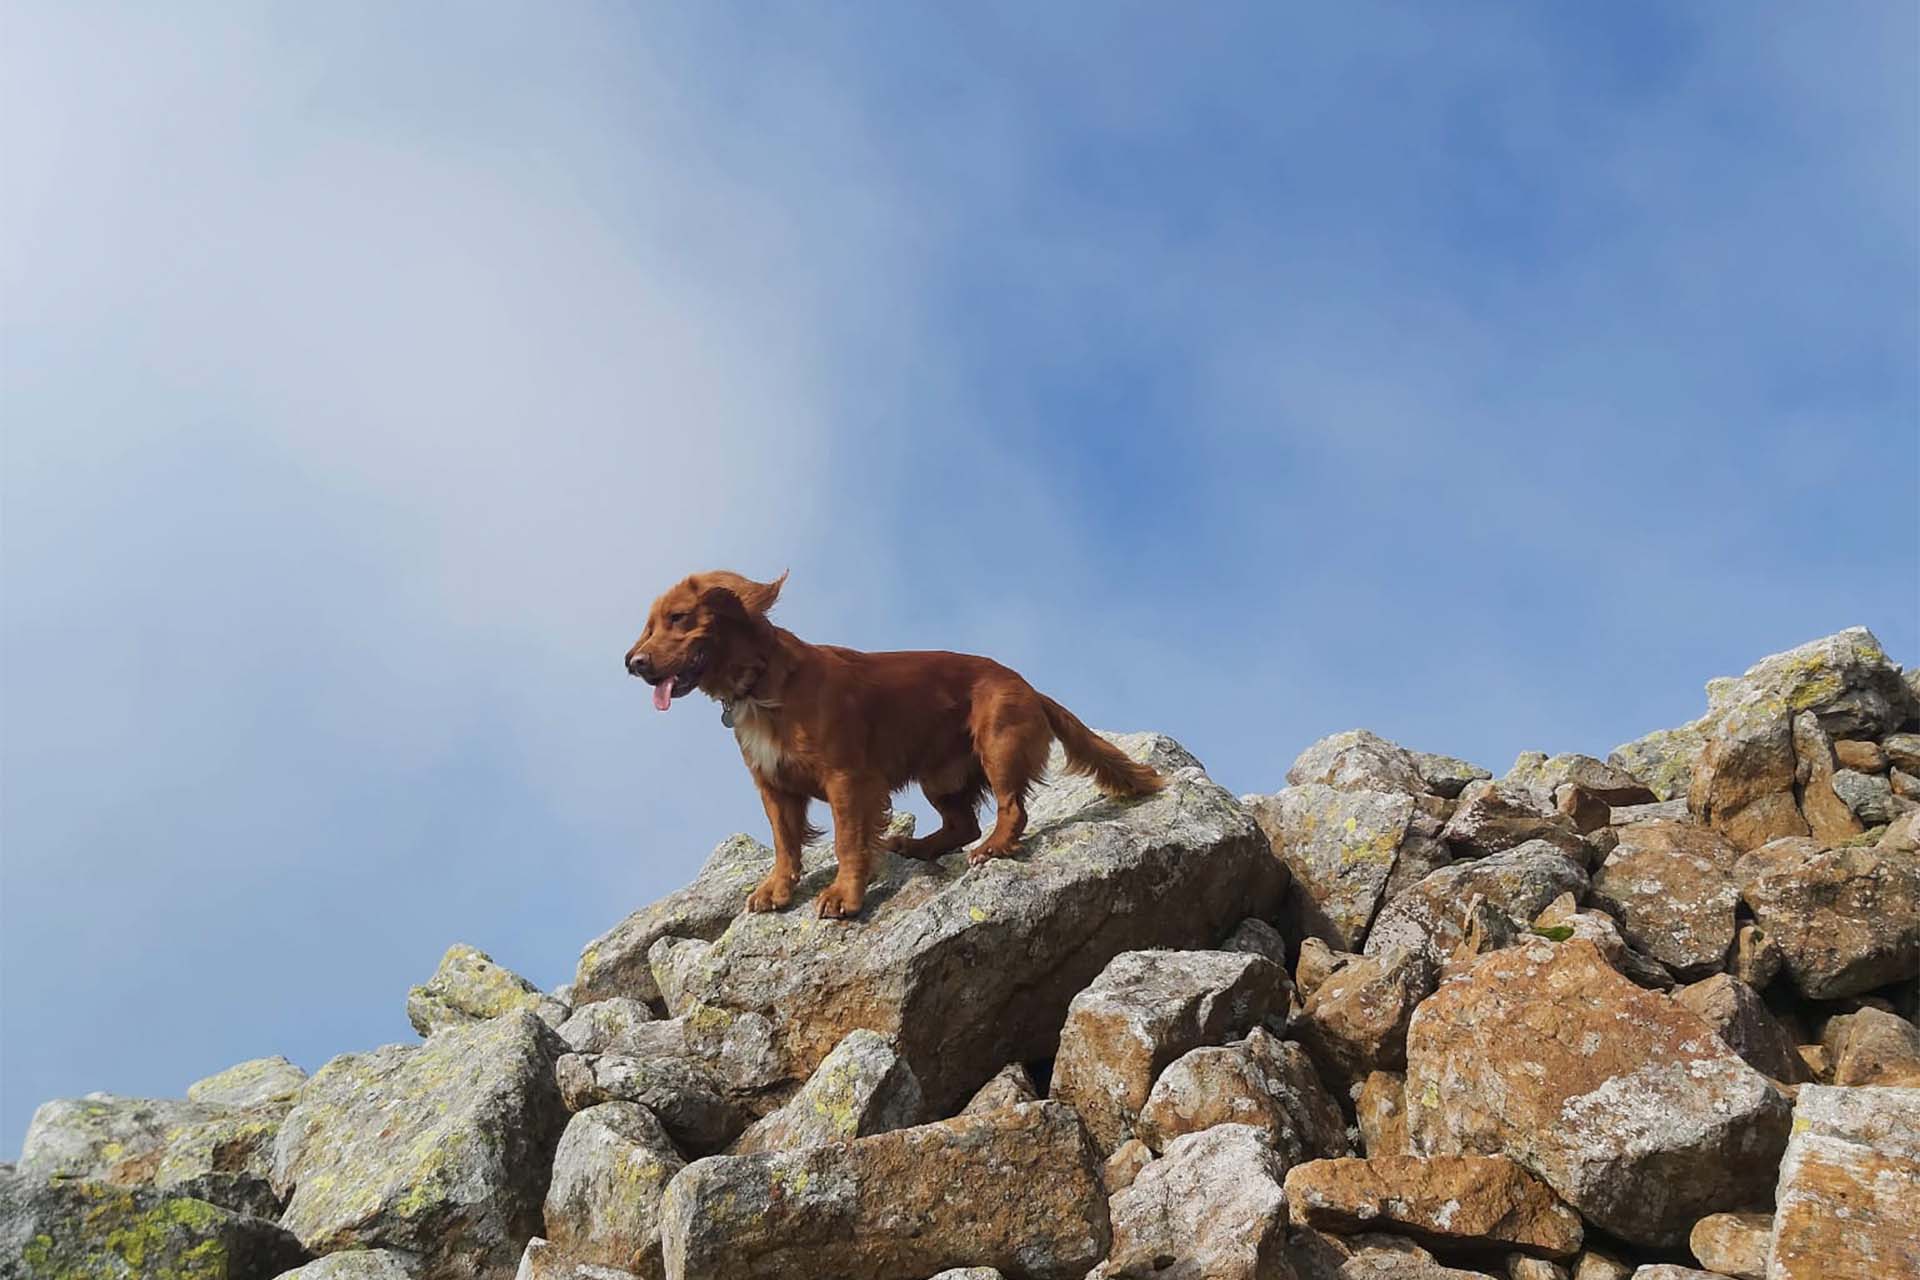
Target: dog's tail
<point>1089,753</point>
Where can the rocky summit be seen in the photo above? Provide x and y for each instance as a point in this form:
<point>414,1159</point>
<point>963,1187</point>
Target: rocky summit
<point>1650,1015</point>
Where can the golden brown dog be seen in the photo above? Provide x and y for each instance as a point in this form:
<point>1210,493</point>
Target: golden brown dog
<point>818,722</point>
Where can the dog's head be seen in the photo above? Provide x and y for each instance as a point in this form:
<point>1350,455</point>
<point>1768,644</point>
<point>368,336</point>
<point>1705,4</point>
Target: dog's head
<point>699,633</point>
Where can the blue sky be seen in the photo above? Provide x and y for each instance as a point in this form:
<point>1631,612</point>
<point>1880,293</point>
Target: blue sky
<point>1489,377</point>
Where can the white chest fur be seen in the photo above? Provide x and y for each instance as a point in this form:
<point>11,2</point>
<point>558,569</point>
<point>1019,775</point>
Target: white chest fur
<point>753,730</point>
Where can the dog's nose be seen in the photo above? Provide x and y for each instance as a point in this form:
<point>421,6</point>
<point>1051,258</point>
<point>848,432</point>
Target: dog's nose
<point>636,664</point>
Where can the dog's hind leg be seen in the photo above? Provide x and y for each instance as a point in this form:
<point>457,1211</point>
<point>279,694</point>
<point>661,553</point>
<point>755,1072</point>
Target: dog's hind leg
<point>859,804</point>
<point>959,812</point>
<point>1011,734</point>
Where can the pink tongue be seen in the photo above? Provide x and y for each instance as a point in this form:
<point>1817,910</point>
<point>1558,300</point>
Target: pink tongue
<point>663,694</point>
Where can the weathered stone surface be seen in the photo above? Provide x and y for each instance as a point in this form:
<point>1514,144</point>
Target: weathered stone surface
<point>469,987</point>
<point>971,968</point>
<point>1756,959</point>
<point>1849,1191</point>
<point>1124,1165</point>
<point>1380,1113</point>
<point>1261,1081</point>
<point>1560,921</point>
<point>1905,786</point>
<point>1664,759</point>
<point>1829,820</point>
<point>1316,963</point>
<point>1740,1017</point>
<point>1494,816</point>
<point>1611,1094</point>
<point>610,1175</point>
<point>1433,916</point>
<point>1546,776</point>
<point>74,1229</point>
<point>1845,679</point>
<point>680,1094</point>
<point>1520,1266</point>
<point>969,1273</point>
<point>1446,775</point>
<point>1144,1010</point>
<point>1358,760</point>
<point>1211,1208</point>
<point>542,1261</point>
<point>675,962</point>
<point>105,1137</point>
<point>1846,920</point>
<point>862,1088</point>
<point>1902,750</point>
<point>1442,1201</point>
<point>1356,1021</point>
<point>1627,815</point>
<point>1017,1189</point>
<point>1670,885</point>
<point>1597,1264</point>
<point>1011,1084</point>
<point>1342,848</point>
<point>249,1084</point>
<point>1873,1046</point>
<point>1733,1244</point>
<point>1257,937</point>
<point>612,1026</point>
<point>360,1264</point>
<point>1869,797</point>
<point>1671,1271</point>
<point>1743,783</point>
<point>1318,1255</point>
<point>441,1149</point>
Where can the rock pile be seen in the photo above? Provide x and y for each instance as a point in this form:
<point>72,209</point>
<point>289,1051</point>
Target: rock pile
<point>1652,1016</point>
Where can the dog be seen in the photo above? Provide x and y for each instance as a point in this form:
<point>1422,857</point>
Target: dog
<point>819,722</point>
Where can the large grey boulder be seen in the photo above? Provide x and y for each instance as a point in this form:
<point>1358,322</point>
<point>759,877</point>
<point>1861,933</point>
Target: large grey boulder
<point>610,1175</point>
<point>469,987</point>
<point>1358,760</point>
<point>1211,1208</point>
<point>1143,1011</point>
<point>694,1107</point>
<point>254,1083</point>
<point>1670,887</point>
<point>1261,1081</point>
<point>77,1229</point>
<point>1849,1191</point>
<point>441,1150</point>
<point>360,1264</point>
<point>1846,920</point>
<point>862,1088</point>
<point>1016,1189</point>
<point>969,968</point>
<point>1433,916</point>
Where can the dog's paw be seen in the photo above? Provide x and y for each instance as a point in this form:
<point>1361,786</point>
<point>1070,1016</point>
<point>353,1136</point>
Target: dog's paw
<point>983,854</point>
<point>838,901</point>
<point>773,894</point>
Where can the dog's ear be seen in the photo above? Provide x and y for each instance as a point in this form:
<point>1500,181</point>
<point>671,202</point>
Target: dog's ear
<point>731,595</point>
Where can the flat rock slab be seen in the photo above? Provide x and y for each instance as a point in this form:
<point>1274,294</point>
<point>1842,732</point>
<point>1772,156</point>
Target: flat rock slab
<point>1442,1201</point>
<point>1849,1192</point>
<point>1146,1009</point>
<point>74,1229</point>
<point>1621,1101</point>
<point>440,1150</point>
<point>1017,1189</point>
<point>967,969</point>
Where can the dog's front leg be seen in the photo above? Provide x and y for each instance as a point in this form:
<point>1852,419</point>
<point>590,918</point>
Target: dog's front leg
<point>858,804</point>
<point>787,813</point>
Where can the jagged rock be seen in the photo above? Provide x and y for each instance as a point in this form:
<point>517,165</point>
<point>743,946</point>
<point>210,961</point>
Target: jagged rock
<point>1258,938</point>
<point>1740,1017</point>
<point>1493,817</point>
<point>75,1229</point>
<point>1017,1189</point>
<point>1627,815</point>
<point>1664,759</point>
<point>1846,920</point>
<point>1358,761</point>
<point>680,1094</point>
<point>1011,1084</point>
<point>1545,776</point>
<point>1869,796</point>
<point>1733,1244</point>
<point>360,1264</point>
<point>542,1261</point>
<point>1261,1081</point>
<point>675,962</point>
<point>1356,1021</point>
<point>1124,1165</point>
<point>1744,780</point>
<point>1144,1010</point>
<point>254,1083</point>
<point>1380,1113</point>
<point>862,1088</point>
<point>1211,1208</point>
<point>611,1026</point>
<point>106,1138</point>
<point>1756,959</point>
<point>1849,1191</point>
<point>1441,1201</point>
<point>610,1175</point>
<point>1611,1094</point>
<point>1560,920</point>
<point>1873,1046</point>
<point>971,968</point>
<point>1343,848</point>
<point>440,1150</point>
<point>469,987</point>
<point>1447,776</point>
<point>1519,1266</point>
<point>1317,962</point>
<point>1829,820</point>
<point>1597,1264</point>
<point>1671,1271</point>
<point>1670,886</point>
<point>1904,787</point>
<point>1432,916</point>
<point>1845,679</point>
<point>1316,1255</point>
<point>1903,749</point>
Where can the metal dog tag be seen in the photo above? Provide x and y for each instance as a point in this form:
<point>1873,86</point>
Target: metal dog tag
<point>726,714</point>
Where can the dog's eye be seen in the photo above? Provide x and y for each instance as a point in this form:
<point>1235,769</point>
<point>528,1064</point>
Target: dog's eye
<point>678,619</point>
